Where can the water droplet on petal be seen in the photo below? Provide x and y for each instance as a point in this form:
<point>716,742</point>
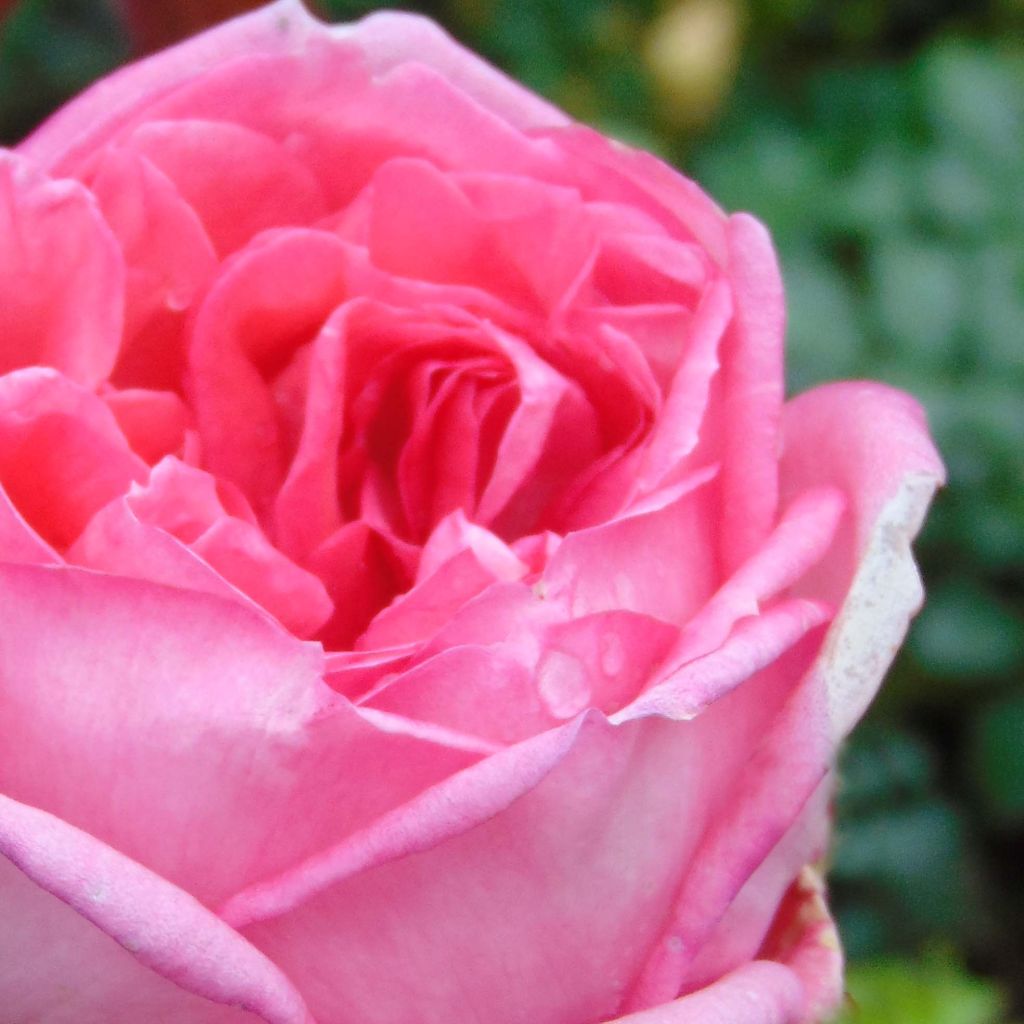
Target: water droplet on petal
<point>562,684</point>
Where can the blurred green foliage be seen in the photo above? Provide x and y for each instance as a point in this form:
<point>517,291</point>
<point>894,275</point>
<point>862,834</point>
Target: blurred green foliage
<point>883,143</point>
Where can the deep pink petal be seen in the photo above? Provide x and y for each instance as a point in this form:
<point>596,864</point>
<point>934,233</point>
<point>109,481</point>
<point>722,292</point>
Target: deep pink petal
<point>62,455</point>
<point>170,958</point>
<point>168,257</point>
<point>155,423</point>
<point>264,306</point>
<point>61,276</point>
<point>238,181</point>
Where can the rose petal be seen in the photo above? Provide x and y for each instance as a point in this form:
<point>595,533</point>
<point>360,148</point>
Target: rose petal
<point>154,423</point>
<point>169,260</point>
<point>760,992</point>
<point>62,456</point>
<point>61,276</point>
<point>56,966</point>
<point>238,181</point>
<point>551,860</point>
<point>752,391</point>
<point>655,561</point>
<point>187,731</point>
<point>873,442</point>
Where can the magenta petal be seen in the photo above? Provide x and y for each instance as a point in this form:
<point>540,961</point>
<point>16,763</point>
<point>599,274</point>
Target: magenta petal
<point>163,928</point>
<point>61,276</point>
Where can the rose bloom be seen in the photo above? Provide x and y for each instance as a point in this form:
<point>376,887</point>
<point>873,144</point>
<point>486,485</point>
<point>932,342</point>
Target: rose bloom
<point>419,605</point>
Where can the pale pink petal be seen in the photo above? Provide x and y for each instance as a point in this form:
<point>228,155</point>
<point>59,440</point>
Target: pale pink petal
<point>189,732</point>
<point>390,39</point>
<point>755,642</point>
<point>62,456</point>
<point>788,756</point>
<point>551,862</point>
<point>872,442</point>
<point>760,992</point>
<point>91,935</point>
<point>474,690</point>
<point>803,536</point>
<point>760,921</point>
<point>61,276</point>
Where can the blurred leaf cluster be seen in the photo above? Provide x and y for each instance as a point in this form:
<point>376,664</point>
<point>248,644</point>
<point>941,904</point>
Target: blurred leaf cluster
<point>883,143</point>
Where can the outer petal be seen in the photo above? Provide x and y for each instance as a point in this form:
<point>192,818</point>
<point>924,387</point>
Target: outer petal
<point>189,732</point>
<point>278,29</point>
<point>543,872</point>
<point>758,993</point>
<point>60,967</point>
<point>752,392</point>
<point>872,442</point>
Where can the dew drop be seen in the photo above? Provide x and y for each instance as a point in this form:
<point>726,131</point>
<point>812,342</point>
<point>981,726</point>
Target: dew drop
<point>562,684</point>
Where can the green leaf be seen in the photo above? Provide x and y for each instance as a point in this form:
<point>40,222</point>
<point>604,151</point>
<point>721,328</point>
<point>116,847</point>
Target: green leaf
<point>936,991</point>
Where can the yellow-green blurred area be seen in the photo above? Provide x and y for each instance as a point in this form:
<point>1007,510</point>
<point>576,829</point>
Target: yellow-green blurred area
<point>883,143</point>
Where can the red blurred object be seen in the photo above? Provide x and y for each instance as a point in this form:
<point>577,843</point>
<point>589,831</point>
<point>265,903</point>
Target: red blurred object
<point>154,24</point>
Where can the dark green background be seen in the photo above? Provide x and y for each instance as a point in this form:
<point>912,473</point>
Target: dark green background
<point>883,143</point>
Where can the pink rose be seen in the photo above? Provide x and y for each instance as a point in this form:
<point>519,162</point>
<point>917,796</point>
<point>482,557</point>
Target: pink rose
<point>419,605</point>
